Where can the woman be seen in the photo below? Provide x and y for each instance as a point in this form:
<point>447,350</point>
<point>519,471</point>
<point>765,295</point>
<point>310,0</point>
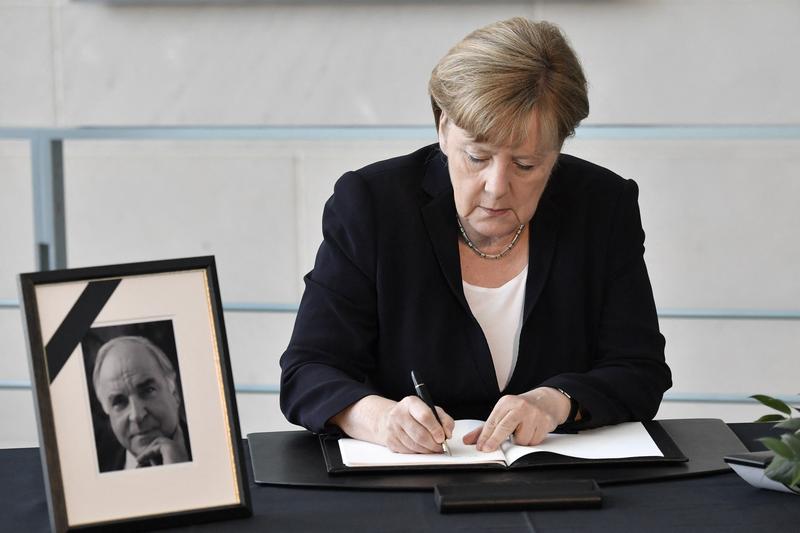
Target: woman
<point>509,275</point>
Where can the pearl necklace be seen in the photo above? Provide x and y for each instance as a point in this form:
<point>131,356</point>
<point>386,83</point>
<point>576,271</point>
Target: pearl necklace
<point>484,255</point>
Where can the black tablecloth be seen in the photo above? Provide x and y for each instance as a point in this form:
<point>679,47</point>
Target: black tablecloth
<point>714,503</point>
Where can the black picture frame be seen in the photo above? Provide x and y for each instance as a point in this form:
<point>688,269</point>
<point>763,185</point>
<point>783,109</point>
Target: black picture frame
<point>72,312</point>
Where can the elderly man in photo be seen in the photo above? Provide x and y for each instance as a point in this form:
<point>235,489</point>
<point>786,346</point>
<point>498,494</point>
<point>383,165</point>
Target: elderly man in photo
<point>136,386</point>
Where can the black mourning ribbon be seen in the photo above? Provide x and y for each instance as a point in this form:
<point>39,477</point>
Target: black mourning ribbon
<point>77,323</point>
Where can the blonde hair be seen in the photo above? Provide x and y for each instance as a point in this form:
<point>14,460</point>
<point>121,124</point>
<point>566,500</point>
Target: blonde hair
<point>491,82</point>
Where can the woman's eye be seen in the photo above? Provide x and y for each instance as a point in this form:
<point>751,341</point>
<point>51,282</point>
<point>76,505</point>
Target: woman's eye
<point>474,159</point>
<point>524,167</point>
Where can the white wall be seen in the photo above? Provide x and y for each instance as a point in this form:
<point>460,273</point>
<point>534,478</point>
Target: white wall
<point>720,216</point>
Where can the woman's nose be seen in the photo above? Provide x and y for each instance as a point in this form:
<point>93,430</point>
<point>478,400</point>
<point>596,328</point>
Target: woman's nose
<point>496,183</point>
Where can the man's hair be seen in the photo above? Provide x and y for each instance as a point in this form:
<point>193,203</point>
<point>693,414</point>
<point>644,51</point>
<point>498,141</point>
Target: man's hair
<point>491,82</point>
<point>158,354</point>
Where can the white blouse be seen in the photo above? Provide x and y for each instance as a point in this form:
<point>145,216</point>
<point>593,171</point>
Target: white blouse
<point>498,310</point>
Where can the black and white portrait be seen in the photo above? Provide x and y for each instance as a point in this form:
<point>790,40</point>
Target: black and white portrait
<point>135,396</point>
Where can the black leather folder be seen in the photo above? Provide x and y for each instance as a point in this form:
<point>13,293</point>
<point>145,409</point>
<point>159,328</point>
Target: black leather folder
<point>293,458</point>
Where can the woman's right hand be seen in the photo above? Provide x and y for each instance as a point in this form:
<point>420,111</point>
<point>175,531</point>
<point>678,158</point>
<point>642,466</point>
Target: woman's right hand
<point>407,426</point>
<point>410,427</point>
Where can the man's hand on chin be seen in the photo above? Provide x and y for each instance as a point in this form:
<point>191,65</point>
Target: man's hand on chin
<point>162,451</point>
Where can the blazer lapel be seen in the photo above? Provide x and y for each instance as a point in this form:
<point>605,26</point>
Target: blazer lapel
<point>543,239</point>
<point>542,245</point>
<point>439,217</point>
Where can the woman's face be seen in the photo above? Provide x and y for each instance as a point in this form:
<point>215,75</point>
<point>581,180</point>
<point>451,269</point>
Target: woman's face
<point>496,188</point>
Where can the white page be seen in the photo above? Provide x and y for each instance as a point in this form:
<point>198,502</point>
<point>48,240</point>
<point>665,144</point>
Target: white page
<point>360,453</point>
<point>629,439</point>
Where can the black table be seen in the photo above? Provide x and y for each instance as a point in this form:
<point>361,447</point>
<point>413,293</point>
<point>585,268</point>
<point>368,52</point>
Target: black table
<point>720,502</point>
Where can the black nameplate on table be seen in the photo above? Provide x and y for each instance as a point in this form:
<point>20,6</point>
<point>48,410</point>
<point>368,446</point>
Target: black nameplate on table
<point>519,496</point>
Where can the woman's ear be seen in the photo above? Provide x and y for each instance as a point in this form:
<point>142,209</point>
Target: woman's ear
<point>444,122</point>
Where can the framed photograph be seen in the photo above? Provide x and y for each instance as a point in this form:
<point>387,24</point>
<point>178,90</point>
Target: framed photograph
<point>138,426</point>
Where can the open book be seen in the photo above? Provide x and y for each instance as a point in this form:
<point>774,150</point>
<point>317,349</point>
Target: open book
<point>628,442</point>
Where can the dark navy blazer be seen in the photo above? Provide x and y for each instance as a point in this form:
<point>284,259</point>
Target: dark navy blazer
<point>385,297</point>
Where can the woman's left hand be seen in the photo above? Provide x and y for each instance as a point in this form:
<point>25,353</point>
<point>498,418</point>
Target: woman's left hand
<point>529,417</point>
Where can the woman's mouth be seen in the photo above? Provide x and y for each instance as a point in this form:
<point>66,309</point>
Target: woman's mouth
<point>494,212</point>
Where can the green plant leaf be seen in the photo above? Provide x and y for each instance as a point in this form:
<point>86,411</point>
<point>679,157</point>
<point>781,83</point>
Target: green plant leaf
<point>771,418</point>
<point>781,470</point>
<point>793,441</point>
<point>792,424</point>
<point>773,403</point>
<point>796,479</point>
<point>778,446</point>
